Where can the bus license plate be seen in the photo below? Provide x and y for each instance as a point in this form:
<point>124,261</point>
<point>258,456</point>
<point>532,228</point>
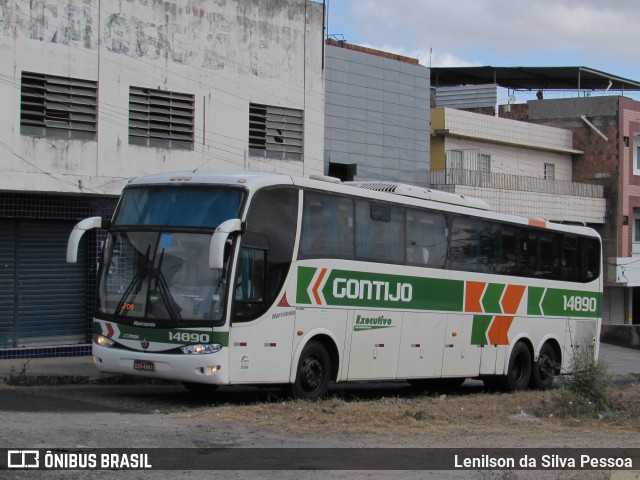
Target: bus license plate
<point>143,365</point>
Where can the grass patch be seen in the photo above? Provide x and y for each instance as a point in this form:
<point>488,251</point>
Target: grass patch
<point>586,393</point>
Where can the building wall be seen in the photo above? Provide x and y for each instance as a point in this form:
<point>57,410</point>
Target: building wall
<point>600,162</point>
<point>227,54</point>
<point>516,148</point>
<point>518,153</point>
<point>516,160</point>
<point>557,208</point>
<point>630,174</point>
<point>377,114</point>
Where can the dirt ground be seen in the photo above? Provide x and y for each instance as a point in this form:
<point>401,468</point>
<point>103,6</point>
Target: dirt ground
<point>167,416</point>
<point>492,420</point>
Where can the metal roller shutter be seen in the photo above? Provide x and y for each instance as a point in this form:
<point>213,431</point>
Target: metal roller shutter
<point>48,303</point>
<point>7,282</point>
<point>613,305</point>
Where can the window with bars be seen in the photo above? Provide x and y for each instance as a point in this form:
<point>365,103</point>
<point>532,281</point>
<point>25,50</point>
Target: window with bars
<point>158,118</point>
<point>275,132</point>
<point>62,107</point>
<point>484,163</point>
<point>549,171</point>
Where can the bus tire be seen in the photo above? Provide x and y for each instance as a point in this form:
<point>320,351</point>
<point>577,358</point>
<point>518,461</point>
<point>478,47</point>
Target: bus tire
<point>313,372</point>
<point>545,368</point>
<point>200,387</point>
<point>519,372</point>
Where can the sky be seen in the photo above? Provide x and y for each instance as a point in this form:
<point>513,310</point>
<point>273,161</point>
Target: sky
<point>599,34</point>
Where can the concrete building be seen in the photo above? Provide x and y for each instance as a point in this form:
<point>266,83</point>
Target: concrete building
<point>376,115</point>
<point>98,92</point>
<point>517,167</point>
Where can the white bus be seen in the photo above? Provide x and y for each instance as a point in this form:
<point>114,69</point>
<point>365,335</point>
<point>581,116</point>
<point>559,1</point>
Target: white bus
<point>226,279</point>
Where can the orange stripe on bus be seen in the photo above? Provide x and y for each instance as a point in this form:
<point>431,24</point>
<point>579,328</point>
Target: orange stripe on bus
<point>315,288</point>
<point>512,298</point>
<point>498,331</point>
<point>472,297</point>
<point>534,222</point>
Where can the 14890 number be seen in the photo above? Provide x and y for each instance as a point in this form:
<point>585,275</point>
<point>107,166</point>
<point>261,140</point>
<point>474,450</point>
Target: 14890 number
<point>577,303</point>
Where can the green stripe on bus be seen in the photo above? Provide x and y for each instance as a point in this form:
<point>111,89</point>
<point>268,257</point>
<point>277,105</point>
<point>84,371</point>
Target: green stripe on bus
<point>535,298</point>
<point>305,275</point>
<point>379,290</point>
<point>491,298</point>
<point>179,336</point>
<point>479,329</point>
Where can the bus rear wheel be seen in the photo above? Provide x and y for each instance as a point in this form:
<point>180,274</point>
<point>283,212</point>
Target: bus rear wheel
<point>312,373</point>
<point>545,368</point>
<point>518,373</point>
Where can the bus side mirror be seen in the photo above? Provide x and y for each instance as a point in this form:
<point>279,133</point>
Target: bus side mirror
<point>76,235</point>
<point>219,239</point>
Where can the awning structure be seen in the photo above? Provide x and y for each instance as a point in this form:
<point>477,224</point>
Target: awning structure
<point>532,78</point>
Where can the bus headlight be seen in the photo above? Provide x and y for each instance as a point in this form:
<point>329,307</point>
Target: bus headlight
<point>102,341</point>
<point>201,349</point>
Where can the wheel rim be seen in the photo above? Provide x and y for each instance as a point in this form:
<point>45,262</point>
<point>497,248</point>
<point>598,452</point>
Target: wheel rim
<point>546,366</point>
<point>311,374</point>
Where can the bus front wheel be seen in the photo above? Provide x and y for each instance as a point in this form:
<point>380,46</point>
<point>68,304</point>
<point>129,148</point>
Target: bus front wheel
<point>313,372</point>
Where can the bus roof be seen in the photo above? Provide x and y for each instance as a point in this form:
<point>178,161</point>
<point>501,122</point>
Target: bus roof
<point>387,191</point>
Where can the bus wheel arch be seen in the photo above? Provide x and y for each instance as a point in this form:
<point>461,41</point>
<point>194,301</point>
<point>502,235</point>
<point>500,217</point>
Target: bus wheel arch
<point>547,366</point>
<point>316,366</point>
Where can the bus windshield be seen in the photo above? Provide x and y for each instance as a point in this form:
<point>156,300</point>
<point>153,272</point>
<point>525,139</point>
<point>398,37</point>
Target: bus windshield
<point>155,263</point>
<point>178,206</point>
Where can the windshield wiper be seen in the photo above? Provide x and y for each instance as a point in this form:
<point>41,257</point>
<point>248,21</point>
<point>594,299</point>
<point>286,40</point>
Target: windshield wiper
<point>161,284</point>
<point>135,285</point>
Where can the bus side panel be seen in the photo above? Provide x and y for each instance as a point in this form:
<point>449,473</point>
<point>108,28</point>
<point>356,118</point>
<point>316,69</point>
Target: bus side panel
<point>490,357</point>
<point>375,344</point>
<point>580,345</point>
<point>421,345</point>
<point>260,351</point>
<point>311,319</point>
<point>461,357</point>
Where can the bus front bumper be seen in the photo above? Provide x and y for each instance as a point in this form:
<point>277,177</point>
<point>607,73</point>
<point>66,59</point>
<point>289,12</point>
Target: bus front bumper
<point>207,368</point>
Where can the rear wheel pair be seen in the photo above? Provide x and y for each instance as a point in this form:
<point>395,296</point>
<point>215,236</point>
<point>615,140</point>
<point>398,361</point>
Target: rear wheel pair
<point>523,373</point>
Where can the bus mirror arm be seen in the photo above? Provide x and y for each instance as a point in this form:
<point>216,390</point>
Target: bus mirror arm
<point>76,235</point>
<point>219,239</point>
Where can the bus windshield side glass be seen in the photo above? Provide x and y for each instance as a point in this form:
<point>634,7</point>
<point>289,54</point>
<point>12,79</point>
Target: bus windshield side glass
<point>178,206</point>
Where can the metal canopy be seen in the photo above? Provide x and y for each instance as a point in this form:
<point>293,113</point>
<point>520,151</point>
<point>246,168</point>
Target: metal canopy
<point>531,78</point>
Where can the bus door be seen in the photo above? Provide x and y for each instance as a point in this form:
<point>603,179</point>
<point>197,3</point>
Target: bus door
<point>461,358</point>
<point>375,344</point>
<point>421,345</point>
<point>260,337</point>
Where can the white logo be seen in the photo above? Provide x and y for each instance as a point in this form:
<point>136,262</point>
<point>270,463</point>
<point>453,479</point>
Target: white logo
<point>23,459</point>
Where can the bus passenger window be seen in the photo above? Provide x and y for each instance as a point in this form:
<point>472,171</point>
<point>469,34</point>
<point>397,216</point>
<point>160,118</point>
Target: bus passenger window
<point>589,259</point>
<point>426,238</point>
<point>379,232</point>
<point>472,248</point>
<point>509,251</point>
<point>570,259</point>
<point>327,226</point>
